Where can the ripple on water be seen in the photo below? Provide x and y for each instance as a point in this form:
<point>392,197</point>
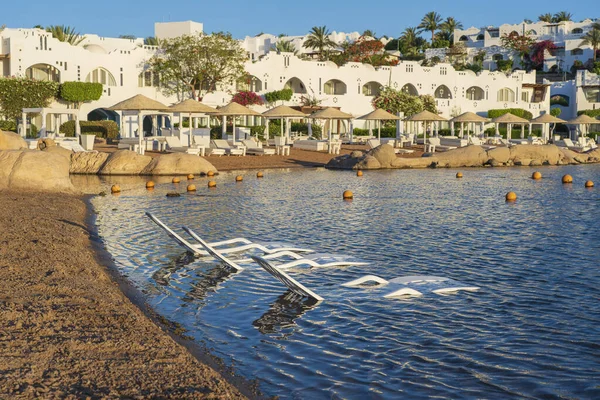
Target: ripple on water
<point>533,330</point>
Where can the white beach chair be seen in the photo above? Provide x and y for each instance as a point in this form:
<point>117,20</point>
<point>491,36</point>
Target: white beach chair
<point>314,260</point>
<point>373,143</point>
<point>255,148</point>
<point>474,140</point>
<point>222,144</point>
<point>174,146</point>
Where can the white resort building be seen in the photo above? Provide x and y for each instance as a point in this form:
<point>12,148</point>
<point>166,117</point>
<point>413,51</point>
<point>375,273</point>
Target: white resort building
<point>118,64</point>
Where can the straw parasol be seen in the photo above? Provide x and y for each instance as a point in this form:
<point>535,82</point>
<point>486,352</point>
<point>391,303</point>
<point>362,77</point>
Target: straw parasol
<point>191,106</point>
<point>379,115</point>
<point>583,119</point>
<point>467,118</point>
<point>139,103</point>
<point>281,112</point>
<point>425,116</point>
<point>330,114</point>
<point>234,109</point>
<point>546,120</point>
<point>510,120</point>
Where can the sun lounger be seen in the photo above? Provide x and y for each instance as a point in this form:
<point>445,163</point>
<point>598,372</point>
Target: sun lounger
<point>568,143</point>
<point>473,140</point>
<point>315,260</point>
<point>256,148</point>
<point>222,144</point>
<point>288,281</point>
<point>435,145</point>
<point>174,146</point>
<point>373,143</point>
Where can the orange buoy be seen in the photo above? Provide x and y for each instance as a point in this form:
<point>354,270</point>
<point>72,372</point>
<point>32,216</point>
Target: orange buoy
<point>348,195</point>
<point>212,184</point>
<point>190,177</point>
<point>191,188</point>
<point>511,196</point>
<point>259,174</point>
<point>149,185</point>
<point>239,178</point>
<point>210,173</point>
<point>115,189</point>
<point>567,179</point>
<point>359,173</point>
<point>589,184</point>
<point>536,175</point>
<point>459,175</point>
<point>176,180</point>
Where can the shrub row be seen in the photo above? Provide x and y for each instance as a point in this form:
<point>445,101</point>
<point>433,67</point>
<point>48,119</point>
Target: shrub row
<point>385,132</point>
<point>104,129</point>
<point>519,112</point>
<point>279,95</point>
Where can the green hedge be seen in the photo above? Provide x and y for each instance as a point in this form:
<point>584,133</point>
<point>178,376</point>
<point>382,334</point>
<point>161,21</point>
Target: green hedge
<point>590,113</point>
<point>519,112</point>
<point>11,126</point>
<point>103,129</point>
<point>276,95</point>
<point>80,92</point>
<point>516,133</point>
<point>385,132</point>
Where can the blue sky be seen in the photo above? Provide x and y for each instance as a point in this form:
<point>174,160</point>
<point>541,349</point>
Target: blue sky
<point>247,18</point>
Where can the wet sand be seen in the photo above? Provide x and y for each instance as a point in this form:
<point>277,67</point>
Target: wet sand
<point>67,330</point>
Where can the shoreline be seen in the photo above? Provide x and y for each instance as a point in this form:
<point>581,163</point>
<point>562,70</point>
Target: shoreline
<point>74,327</point>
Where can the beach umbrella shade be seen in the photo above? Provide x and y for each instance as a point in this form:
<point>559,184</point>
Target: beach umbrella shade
<point>330,114</point>
<point>379,115</point>
<point>510,120</point>
<point>425,116</point>
<point>234,109</point>
<point>139,103</point>
<point>546,119</point>
<point>191,106</point>
<point>281,112</point>
<point>468,118</point>
<point>583,119</point>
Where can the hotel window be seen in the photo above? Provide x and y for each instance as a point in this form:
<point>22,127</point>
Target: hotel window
<point>443,71</point>
<point>506,95</point>
<point>101,75</point>
<point>577,52</point>
<point>409,68</point>
<point>525,97</point>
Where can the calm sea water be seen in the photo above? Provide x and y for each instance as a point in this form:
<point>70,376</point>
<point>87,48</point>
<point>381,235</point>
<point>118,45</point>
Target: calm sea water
<point>533,330</point>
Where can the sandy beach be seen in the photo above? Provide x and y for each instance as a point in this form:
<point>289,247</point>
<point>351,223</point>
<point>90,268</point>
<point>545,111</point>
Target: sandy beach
<point>68,331</point>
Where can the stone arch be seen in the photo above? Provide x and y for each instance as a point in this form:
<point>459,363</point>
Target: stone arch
<point>560,100</point>
<point>475,93</point>
<point>296,85</point>
<point>463,38</point>
<point>103,114</point>
<point>577,31</point>
<point>371,88</point>
<point>334,87</point>
<point>101,75</point>
<point>410,89</point>
<point>43,72</point>
<point>481,36</point>
<point>442,92</point>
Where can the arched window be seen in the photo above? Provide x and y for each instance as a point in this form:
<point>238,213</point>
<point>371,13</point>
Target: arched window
<point>498,57</point>
<point>442,92</point>
<point>463,38</point>
<point>577,31</point>
<point>148,79</point>
<point>513,33</point>
<point>335,86</point>
<point>559,100</point>
<point>101,75</point>
<point>410,89</point>
<point>475,93</point>
<point>577,52</point>
<point>481,36</point>
<point>249,83</point>
<point>371,88</point>
<point>532,32</point>
<point>43,72</point>
<point>296,85</point>
<point>506,95</point>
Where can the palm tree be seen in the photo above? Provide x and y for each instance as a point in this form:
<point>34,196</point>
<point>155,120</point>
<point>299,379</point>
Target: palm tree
<point>409,39</point>
<point>370,33</point>
<point>449,26</point>
<point>65,34</point>
<point>545,17</point>
<point>592,38</point>
<point>152,41</point>
<point>430,22</point>
<point>562,16</point>
<point>284,46</point>
<point>318,38</point>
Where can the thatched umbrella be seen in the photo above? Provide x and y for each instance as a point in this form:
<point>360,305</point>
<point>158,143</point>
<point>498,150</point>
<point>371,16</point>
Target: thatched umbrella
<point>467,118</point>
<point>583,119</point>
<point>379,115</point>
<point>330,114</point>
<point>234,109</point>
<point>281,112</point>
<point>510,120</point>
<point>190,107</point>
<point>545,120</point>
<point>137,105</point>
<point>425,117</point>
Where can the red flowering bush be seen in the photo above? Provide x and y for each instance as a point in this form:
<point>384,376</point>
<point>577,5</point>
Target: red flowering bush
<point>247,98</point>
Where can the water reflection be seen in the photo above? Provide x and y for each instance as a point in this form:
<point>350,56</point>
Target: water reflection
<point>283,312</point>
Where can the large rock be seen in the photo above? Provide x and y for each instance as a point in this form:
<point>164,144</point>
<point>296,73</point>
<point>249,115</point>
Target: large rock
<point>499,155</point>
<point>368,162</point>
<point>418,162</point>
<point>34,171</point>
<point>87,162</point>
<point>178,164</point>
<point>11,141</point>
<point>548,154</point>
<point>58,150</point>
<point>468,156</point>
<point>384,154</point>
<point>346,161</point>
<point>125,162</point>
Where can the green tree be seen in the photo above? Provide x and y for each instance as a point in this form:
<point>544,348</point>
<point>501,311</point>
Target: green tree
<point>449,26</point>
<point>80,92</point>
<point>284,46</point>
<point>592,38</point>
<point>198,63</point>
<point>151,41</point>
<point>431,22</point>
<point>65,34</point>
<point>318,39</point>
<point>395,101</point>
<point>370,33</point>
<point>520,44</point>
<point>408,40</point>
<point>19,93</point>
<point>545,17</point>
<point>562,16</point>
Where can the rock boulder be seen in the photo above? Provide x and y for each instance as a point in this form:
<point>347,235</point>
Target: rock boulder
<point>11,141</point>
<point>469,156</point>
<point>125,162</point>
<point>28,170</point>
<point>178,164</point>
<point>87,162</point>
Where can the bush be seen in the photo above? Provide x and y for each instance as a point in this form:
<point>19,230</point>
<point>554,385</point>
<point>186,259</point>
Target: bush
<point>516,133</point>
<point>504,65</point>
<point>559,100</point>
<point>279,95</point>
<point>302,127</point>
<point>11,126</point>
<point>519,112</point>
<point>590,113</point>
<point>103,129</point>
<point>247,98</point>
<point>555,112</point>
<point>19,93</point>
<point>80,92</point>
<point>385,132</point>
